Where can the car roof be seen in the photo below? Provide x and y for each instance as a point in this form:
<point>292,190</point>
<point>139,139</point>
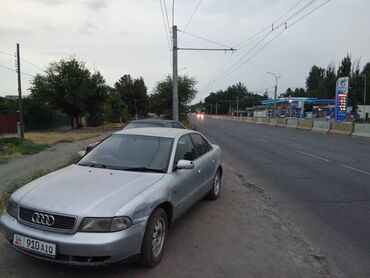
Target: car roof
<point>158,121</point>
<point>156,131</point>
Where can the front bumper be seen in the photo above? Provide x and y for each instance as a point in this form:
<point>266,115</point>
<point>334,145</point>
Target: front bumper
<point>85,249</point>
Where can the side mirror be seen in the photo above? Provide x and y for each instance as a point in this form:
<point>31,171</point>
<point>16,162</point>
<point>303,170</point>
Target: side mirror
<point>185,164</point>
<point>91,146</point>
<point>81,153</point>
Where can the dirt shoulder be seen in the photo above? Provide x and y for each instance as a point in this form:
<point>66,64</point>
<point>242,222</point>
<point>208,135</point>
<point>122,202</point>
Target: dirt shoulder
<point>238,235</point>
<point>51,158</point>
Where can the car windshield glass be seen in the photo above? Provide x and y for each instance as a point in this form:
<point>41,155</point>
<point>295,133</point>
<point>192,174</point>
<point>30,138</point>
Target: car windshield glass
<point>143,124</point>
<point>131,153</point>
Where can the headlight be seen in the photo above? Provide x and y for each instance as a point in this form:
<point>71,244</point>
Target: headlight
<point>105,224</point>
<point>12,208</point>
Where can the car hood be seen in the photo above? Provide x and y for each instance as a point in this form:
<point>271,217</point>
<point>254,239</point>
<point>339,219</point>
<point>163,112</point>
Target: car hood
<point>84,191</point>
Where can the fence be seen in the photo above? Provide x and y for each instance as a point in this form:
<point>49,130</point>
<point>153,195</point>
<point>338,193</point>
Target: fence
<point>8,124</point>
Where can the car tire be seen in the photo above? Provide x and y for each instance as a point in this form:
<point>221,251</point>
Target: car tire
<point>216,187</point>
<point>152,247</point>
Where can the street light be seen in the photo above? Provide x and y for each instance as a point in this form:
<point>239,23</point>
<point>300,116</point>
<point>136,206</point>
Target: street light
<point>276,83</point>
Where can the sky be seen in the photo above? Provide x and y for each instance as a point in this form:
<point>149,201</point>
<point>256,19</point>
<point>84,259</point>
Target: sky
<point>120,37</point>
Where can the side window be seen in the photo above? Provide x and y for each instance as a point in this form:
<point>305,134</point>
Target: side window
<point>177,125</point>
<point>200,144</point>
<point>168,125</point>
<point>185,149</point>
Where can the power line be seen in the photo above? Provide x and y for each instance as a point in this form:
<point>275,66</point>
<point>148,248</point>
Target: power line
<point>237,65</point>
<point>6,53</point>
<point>24,73</point>
<point>32,64</point>
<point>254,54</point>
<point>246,54</point>
<point>191,17</point>
<point>23,59</point>
<point>165,25</point>
<point>269,26</point>
<point>297,12</point>
<point>204,39</point>
<point>287,12</point>
<point>307,14</point>
<point>167,20</point>
<point>7,68</point>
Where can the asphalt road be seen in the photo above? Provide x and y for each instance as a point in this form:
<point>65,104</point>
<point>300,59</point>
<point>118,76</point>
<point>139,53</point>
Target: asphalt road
<point>319,182</point>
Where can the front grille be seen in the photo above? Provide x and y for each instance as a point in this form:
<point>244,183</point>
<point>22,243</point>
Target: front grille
<point>62,222</point>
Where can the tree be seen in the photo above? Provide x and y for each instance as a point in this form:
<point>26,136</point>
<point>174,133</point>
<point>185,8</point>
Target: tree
<point>141,97</point>
<point>95,99</point>
<point>226,100</point>
<point>134,93</point>
<point>345,67</point>
<point>115,110</point>
<point>314,81</point>
<point>8,106</point>
<point>70,87</point>
<point>329,82</point>
<point>365,73</point>
<point>160,102</point>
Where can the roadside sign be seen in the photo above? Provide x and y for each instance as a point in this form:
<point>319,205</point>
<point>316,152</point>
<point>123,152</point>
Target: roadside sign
<point>341,99</point>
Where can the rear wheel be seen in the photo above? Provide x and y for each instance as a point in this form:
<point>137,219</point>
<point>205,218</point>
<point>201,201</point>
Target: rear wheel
<point>154,239</point>
<point>216,188</point>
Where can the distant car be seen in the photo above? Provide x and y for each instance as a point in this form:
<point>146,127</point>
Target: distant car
<point>154,123</point>
<point>117,201</point>
<point>200,116</point>
<point>145,123</point>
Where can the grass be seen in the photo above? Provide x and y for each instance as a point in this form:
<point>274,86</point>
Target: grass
<point>55,137</point>
<point>13,146</point>
<point>66,135</point>
<point>18,183</point>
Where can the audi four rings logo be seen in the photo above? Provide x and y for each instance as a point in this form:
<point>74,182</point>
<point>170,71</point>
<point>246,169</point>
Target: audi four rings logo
<point>43,219</point>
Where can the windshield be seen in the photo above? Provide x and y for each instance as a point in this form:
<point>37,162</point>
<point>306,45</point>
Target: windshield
<point>143,124</point>
<point>131,152</point>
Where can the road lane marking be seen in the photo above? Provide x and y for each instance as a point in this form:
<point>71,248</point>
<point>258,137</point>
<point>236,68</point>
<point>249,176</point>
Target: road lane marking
<point>263,140</point>
<point>312,155</point>
<point>355,169</point>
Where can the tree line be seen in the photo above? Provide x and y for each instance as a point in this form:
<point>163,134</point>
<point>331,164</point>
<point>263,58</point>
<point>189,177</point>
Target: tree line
<point>69,87</point>
<point>228,100</point>
<point>321,82</point>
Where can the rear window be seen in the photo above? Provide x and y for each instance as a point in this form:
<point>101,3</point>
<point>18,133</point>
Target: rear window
<point>143,124</point>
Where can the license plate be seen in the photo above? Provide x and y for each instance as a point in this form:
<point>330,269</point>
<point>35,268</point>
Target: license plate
<point>42,247</point>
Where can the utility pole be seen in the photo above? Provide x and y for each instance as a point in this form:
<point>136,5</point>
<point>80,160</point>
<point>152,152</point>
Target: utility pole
<point>175,93</point>
<point>21,128</point>
<point>136,116</point>
<point>237,105</point>
<point>216,108</point>
<point>364,114</point>
<point>275,94</point>
<point>211,108</point>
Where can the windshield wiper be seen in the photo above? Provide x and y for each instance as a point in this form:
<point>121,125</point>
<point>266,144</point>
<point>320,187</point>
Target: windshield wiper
<point>143,169</point>
<point>94,165</point>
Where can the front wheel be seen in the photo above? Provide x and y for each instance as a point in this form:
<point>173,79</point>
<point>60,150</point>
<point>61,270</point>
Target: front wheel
<point>216,188</point>
<point>152,247</point>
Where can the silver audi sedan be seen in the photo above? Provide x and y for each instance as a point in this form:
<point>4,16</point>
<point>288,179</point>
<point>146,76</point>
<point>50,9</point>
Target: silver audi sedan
<point>116,203</point>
